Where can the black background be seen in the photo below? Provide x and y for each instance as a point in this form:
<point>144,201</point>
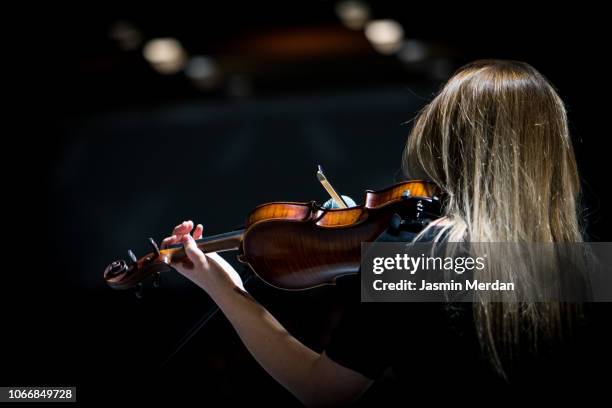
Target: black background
<point>107,152</point>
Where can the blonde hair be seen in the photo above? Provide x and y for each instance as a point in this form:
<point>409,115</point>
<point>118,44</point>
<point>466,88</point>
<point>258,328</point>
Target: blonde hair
<point>496,140</point>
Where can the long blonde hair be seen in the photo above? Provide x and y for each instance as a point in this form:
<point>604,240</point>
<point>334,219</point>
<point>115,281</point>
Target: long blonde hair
<point>496,140</point>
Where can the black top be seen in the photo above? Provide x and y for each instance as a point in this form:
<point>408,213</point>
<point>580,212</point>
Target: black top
<point>411,339</point>
<point>420,347</point>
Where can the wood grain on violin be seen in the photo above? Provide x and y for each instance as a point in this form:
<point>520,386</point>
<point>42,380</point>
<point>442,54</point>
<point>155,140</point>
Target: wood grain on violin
<point>298,245</point>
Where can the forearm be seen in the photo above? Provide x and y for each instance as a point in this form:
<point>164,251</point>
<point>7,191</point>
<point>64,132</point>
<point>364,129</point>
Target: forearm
<point>311,377</point>
<point>284,357</point>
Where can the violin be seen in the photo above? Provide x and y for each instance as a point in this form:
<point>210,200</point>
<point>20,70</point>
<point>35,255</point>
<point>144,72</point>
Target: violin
<point>296,246</point>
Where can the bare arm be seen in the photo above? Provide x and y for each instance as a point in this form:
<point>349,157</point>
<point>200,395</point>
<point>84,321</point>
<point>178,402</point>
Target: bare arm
<point>312,377</point>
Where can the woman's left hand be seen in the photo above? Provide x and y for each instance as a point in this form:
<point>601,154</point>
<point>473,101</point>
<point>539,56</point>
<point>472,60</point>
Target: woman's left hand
<point>209,271</point>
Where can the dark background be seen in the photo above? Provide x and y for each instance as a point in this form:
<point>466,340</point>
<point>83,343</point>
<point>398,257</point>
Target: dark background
<point>109,152</point>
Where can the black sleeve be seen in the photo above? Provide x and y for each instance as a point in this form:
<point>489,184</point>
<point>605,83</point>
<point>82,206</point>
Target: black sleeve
<point>370,336</point>
<point>362,340</point>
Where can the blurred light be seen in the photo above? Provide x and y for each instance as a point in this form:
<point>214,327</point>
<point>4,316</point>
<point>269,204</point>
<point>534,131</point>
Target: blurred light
<point>166,55</point>
<point>412,51</point>
<point>128,37</point>
<point>385,35</point>
<point>353,13</point>
<point>202,71</point>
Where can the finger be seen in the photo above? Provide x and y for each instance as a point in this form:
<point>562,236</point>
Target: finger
<point>194,253</point>
<point>197,233</point>
<point>183,228</point>
<point>166,242</point>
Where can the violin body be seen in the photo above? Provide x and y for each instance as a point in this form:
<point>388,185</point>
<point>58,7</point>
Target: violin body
<point>297,246</point>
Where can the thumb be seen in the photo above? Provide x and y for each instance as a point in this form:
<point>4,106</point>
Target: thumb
<point>192,251</point>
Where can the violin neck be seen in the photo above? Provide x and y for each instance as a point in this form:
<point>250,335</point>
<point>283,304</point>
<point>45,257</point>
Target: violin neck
<point>227,241</point>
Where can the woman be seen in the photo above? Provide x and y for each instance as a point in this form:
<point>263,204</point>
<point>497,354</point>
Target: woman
<point>496,141</point>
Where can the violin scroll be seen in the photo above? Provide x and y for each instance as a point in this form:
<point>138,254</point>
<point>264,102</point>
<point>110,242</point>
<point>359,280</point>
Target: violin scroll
<point>128,274</point>
<point>116,268</point>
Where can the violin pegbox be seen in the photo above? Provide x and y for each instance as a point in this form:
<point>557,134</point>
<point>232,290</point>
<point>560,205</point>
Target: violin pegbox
<point>122,274</point>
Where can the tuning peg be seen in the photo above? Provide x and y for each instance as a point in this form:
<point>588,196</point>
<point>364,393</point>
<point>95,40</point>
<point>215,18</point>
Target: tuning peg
<point>406,194</point>
<point>157,280</point>
<point>154,246</point>
<point>131,257</point>
<point>138,290</point>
